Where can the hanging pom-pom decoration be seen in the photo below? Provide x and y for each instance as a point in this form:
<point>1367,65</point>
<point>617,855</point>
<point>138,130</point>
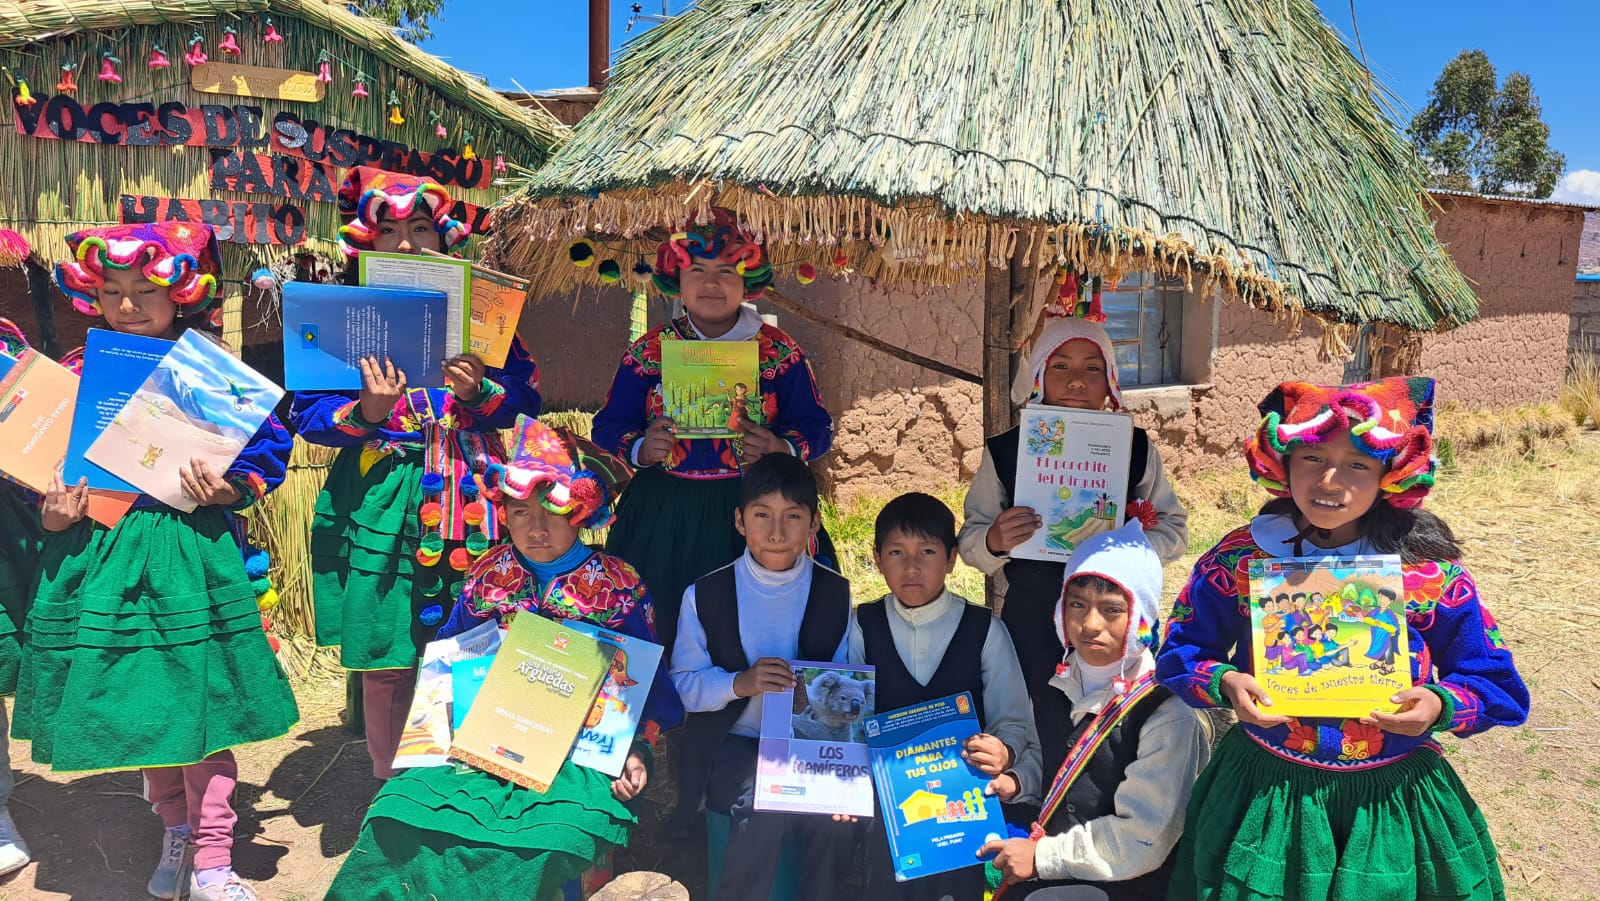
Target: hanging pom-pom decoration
<point>260,585</point>
<point>431,514</point>
<point>840,260</point>
<point>360,90</point>
<point>230,42</point>
<point>581,253</point>
<point>158,58</point>
<point>477,544</point>
<point>197,51</point>
<point>108,68</point>
<point>272,640</point>
<point>438,126</point>
<point>474,513</point>
<point>67,85</point>
<point>394,110</point>
<point>432,483</point>
<point>272,36</point>
<point>1119,686</point>
<point>324,68</point>
<point>257,564</point>
<point>1095,313</point>
<point>263,280</point>
<point>14,248</point>
<point>460,559</point>
<point>431,615</point>
<point>610,272</point>
<point>468,486</point>
<point>467,153</point>
<point>24,96</point>
<point>641,273</point>
<point>432,587</point>
<point>805,273</point>
<point>268,601</point>
<point>499,162</point>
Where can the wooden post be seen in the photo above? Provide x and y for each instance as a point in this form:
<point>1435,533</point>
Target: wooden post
<point>997,412</point>
<point>40,286</point>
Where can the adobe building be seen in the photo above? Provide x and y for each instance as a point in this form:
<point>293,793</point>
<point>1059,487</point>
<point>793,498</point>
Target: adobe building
<point>1192,369</point>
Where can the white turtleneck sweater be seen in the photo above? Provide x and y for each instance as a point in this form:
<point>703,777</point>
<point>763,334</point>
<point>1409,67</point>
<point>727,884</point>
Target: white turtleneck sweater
<point>771,606</point>
<point>923,634</point>
<point>1150,802</point>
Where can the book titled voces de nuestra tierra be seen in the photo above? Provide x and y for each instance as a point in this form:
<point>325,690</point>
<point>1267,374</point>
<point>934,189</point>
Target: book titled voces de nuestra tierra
<point>1072,469</point>
<point>535,699</point>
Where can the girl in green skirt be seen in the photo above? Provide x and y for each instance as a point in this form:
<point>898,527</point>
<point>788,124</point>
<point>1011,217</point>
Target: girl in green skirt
<point>1310,809</point>
<point>676,520</point>
<point>446,831</point>
<point>20,537</point>
<point>145,647</point>
<point>399,518</point>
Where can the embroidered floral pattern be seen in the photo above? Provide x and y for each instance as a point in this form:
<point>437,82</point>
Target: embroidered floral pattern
<point>1301,738</point>
<point>1361,741</point>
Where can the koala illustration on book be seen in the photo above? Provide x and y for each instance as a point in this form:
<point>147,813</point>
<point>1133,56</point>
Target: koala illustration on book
<point>835,705</point>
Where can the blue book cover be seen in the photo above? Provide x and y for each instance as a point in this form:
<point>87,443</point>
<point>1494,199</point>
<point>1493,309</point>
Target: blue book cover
<point>115,364</point>
<point>607,734</point>
<point>466,677</point>
<point>327,329</point>
<point>932,801</point>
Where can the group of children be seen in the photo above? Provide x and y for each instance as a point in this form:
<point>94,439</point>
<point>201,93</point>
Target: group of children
<point>139,645</point>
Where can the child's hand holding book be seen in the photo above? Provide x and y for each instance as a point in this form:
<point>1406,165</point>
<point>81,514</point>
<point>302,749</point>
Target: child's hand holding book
<point>63,507</point>
<point>1247,698</point>
<point>766,674</point>
<point>382,386</point>
<point>1012,527</point>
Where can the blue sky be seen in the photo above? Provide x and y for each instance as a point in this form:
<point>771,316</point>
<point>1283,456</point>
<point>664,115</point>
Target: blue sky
<point>544,44</point>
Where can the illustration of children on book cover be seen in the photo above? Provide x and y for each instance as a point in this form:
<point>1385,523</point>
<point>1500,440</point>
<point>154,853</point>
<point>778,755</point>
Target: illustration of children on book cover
<point>1329,635</point>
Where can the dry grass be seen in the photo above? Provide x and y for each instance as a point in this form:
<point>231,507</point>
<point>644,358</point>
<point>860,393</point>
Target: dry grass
<point>1580,395</point>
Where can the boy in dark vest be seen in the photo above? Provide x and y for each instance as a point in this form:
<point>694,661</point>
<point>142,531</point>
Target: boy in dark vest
<point>928,643</point>
<point>739,627</point>
<point>1120,751</point>
<point>1071,364</point>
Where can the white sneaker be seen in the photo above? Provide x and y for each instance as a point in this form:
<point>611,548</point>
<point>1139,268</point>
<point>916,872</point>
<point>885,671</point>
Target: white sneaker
<point>13,850</point>
<point>174,856</point>
<point>234,889</point>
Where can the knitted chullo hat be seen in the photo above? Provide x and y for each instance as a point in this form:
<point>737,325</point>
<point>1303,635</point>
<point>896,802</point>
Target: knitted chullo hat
<point>1389,420</point>
<point>179,256</point>
<point>721,240</point>
<point>1057,327</point>
<point>368,194</point>
<point>572,477</point>
<point>1123,557</point>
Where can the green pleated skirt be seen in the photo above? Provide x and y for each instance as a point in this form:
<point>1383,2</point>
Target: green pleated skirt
<point>371,596</point>
<point>20,540</point>
<point>1261,827</point>
<point>435,833</point>
<point>145,648</point>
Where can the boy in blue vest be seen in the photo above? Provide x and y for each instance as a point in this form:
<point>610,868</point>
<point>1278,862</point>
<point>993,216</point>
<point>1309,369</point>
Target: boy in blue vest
<point>1109,825</point>
<point>928,643</point>
<point>739,628</point>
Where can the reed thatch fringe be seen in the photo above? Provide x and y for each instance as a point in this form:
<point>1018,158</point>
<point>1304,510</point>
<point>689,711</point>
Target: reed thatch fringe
<point>1237,146</point>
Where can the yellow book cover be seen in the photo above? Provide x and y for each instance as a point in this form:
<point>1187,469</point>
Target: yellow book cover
<point>496,302</point>
<point>1329,635</point>
<point>533,703</point>
<point>711,389</point>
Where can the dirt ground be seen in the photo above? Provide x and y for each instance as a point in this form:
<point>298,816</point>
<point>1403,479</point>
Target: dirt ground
<point>1532,536</point>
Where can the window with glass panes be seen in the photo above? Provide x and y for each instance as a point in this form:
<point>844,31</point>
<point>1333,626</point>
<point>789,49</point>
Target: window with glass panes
<point>1144,318</point>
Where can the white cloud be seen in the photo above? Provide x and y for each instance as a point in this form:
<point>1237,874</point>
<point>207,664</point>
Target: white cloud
<point>1582,186</point>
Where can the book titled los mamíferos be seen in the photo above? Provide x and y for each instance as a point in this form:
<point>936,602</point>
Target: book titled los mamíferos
<point>1328,635</point>
<point>932,802</point>
<point>1072,469</point>
<point>711,389</point>
<point>813,750</point>
<point>535,699</point>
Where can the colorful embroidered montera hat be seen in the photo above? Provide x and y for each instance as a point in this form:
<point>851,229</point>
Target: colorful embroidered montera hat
<point>179,256</point>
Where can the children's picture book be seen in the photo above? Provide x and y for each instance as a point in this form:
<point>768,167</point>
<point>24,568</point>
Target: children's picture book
<point>327,329</point>
<point>200,403</point>
<point>114,365</point>
<point>425,741</point>
<point>711,389</point>
<point>813,750</point>
<point>495,306</point>
<point>431,273</point>
<point>533,703</point>
<point>1328,635</point>
<point>36,401</point>
<point>932,802</point>
<point>1072,469</point>
<point>608,732</point>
